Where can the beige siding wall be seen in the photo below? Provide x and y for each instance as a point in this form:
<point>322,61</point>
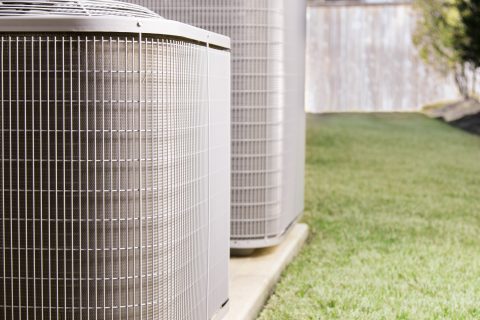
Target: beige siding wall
<point>361,58</point>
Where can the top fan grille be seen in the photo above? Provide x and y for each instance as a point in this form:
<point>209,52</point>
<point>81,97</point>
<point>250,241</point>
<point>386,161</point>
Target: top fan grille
<point>74,8</point>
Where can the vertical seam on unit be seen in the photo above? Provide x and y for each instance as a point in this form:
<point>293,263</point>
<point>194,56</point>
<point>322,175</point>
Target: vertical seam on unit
<point>207,49</point>
<point>87,175</point>
<point>18,183</point>
<point>56,170</point>
<point>266,108</point>
<point>140,167</point>
<point>3,192</point>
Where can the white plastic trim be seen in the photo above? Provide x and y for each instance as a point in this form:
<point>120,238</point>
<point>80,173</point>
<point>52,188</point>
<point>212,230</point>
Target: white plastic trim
<point>50,23</point>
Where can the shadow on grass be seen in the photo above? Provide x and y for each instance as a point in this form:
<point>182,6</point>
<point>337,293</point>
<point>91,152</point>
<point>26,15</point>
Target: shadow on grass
<point>463,115</point>
<point>469,123</point>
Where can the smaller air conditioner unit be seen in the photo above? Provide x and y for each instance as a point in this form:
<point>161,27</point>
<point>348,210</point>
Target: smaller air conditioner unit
<point>115,163</point>
<point>268,117</point>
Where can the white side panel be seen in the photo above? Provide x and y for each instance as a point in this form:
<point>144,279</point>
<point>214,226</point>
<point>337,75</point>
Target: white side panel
<point>219,158</point>
<point>294,156</point>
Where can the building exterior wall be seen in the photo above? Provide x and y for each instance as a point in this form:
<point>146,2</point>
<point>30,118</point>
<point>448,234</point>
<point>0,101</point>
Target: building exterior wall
<point>360,57</point>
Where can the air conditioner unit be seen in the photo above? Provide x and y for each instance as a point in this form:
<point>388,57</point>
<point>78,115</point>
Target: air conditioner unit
<point>268,118</point>
<point>115,165</point>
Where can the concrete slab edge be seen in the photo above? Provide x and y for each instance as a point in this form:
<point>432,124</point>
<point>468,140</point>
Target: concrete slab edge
<point>253,278</point>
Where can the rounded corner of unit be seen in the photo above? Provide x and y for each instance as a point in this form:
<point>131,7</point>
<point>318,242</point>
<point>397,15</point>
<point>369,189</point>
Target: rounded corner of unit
<point>241,246</point>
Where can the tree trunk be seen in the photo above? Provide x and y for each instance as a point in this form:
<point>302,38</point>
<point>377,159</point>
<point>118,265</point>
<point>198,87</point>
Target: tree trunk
<point>462,82</point>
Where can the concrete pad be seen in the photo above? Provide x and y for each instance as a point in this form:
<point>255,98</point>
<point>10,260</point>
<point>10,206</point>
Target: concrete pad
<point>253,278</point>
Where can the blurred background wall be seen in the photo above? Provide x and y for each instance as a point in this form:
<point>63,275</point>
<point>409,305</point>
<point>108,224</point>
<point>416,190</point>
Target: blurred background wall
<point>360,57</point>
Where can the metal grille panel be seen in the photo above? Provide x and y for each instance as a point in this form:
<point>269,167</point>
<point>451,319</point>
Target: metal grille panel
<point>265,167</point>
<point>107,177</point>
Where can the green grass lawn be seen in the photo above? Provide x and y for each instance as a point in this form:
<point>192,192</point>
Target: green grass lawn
<point>393,205</point>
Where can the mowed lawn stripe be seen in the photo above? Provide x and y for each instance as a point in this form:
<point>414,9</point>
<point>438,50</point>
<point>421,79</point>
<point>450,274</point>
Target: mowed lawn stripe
<point>393,203</point>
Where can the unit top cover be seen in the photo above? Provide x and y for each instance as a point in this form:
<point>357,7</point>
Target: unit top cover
<point>96,16</point>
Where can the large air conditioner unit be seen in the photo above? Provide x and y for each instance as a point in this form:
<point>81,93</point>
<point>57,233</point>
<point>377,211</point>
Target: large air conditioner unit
<point>115,163</point>
<point>268,118</point>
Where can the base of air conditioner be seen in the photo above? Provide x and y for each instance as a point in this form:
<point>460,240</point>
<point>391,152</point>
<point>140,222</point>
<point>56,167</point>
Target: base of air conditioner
<point>245,247</point>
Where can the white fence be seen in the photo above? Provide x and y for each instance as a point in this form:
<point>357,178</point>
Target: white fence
<point>360,57</point>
